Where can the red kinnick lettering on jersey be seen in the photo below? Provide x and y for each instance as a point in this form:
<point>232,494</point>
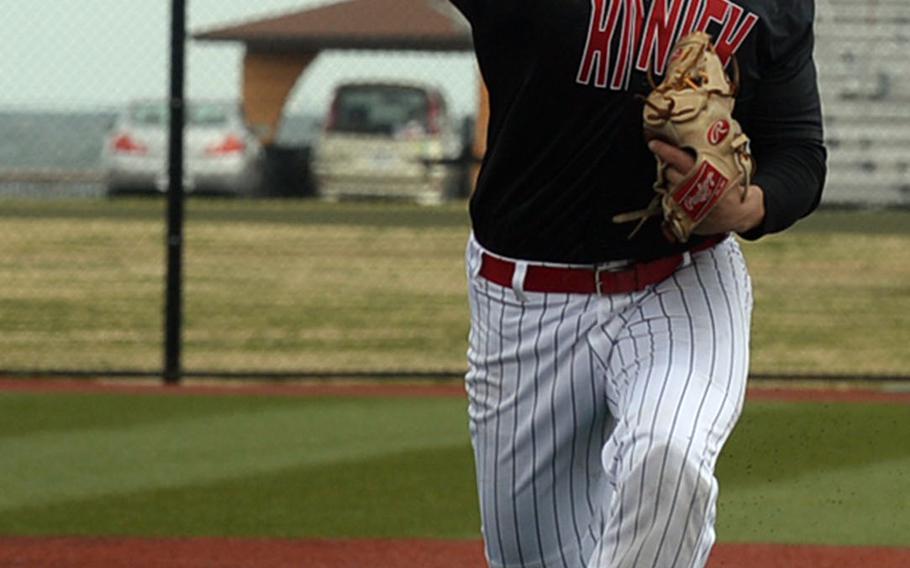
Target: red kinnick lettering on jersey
<point>644,38</point>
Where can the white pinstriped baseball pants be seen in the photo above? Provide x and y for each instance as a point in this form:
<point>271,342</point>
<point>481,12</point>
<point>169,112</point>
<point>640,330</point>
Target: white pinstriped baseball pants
<point>597,421</point>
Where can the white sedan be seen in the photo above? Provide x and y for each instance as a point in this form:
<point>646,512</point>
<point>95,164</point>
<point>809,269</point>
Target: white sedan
<point>222,156</point>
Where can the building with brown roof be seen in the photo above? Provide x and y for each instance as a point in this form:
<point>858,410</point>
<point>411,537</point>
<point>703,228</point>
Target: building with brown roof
<point>279,49</point>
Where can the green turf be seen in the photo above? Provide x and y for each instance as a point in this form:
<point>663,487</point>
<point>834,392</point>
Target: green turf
<point>426,493</point>
<point>818,473</point>
<point>310,212</point>
<point>860,222</point>
<point>120,455</point>
<point>24,415</point>
<point>299,285</point>
<point>288,212</point>
<point>297,467</point>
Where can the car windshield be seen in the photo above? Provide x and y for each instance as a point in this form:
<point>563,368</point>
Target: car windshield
<point>376,109</point>
<point>198,114</point>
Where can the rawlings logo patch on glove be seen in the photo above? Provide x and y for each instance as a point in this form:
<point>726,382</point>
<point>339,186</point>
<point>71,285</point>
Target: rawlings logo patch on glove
<point>693,109</point>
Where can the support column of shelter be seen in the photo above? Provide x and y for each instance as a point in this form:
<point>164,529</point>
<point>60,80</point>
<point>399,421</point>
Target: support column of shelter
<point>268,78</point>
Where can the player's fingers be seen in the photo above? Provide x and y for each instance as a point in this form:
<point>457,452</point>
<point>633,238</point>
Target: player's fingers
<point>674,176</point>
<point>676,158</point>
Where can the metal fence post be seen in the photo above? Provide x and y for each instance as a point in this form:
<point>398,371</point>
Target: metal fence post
<point>174,290</point>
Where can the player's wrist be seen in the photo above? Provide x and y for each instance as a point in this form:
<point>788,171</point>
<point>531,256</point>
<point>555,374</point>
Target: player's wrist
<point>753,210</point>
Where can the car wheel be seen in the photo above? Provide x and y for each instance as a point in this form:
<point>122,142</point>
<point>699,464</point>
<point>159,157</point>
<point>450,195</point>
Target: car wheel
<point>114,191</point>
<point>430,199</point>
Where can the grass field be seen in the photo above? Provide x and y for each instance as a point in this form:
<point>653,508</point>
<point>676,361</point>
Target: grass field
<point>301,285</point>
<point>260,466</point>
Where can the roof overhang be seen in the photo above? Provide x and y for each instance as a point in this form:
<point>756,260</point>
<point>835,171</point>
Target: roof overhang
<point>422,25</point>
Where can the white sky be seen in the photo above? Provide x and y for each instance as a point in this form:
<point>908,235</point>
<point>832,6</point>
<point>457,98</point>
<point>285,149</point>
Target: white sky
<point>98,54</point>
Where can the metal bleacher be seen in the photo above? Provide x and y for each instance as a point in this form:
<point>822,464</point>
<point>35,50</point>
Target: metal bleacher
<point>863,57</point>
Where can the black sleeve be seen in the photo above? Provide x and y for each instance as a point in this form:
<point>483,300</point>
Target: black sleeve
<point>785,124</point>
<point>467,7</point>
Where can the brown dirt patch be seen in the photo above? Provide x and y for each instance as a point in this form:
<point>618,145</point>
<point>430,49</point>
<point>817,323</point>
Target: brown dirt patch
<point>76,552</point>
<point>827,395</point>
<point>806,556</point>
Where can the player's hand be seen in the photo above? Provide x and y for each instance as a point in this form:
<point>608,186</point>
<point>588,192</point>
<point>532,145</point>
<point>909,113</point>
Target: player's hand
<point>732,212</point>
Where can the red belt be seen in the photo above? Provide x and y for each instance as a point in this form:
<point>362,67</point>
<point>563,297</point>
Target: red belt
<point>586,280</point>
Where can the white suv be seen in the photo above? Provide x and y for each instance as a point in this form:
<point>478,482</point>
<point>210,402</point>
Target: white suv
<point>384,139</point>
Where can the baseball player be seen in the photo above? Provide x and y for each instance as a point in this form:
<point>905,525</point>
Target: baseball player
<point>609,345</point>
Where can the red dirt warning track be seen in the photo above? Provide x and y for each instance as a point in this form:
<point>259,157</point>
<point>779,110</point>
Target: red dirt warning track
<point>265,553</point>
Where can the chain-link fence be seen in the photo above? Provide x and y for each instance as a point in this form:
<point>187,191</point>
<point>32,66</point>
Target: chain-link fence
<point>311,253</point>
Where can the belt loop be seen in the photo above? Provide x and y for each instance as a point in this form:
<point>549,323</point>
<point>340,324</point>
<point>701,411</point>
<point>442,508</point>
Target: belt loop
<point>686,259</point>
<point>476,254</point>
<point>475,260</point>
<point>518,280</point>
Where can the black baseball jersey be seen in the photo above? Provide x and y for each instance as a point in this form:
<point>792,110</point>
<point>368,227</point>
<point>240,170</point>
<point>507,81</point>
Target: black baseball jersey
<point>565,147</point>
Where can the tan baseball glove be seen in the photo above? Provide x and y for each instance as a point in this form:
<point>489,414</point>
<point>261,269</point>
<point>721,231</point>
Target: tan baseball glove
<point>693,109</point>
